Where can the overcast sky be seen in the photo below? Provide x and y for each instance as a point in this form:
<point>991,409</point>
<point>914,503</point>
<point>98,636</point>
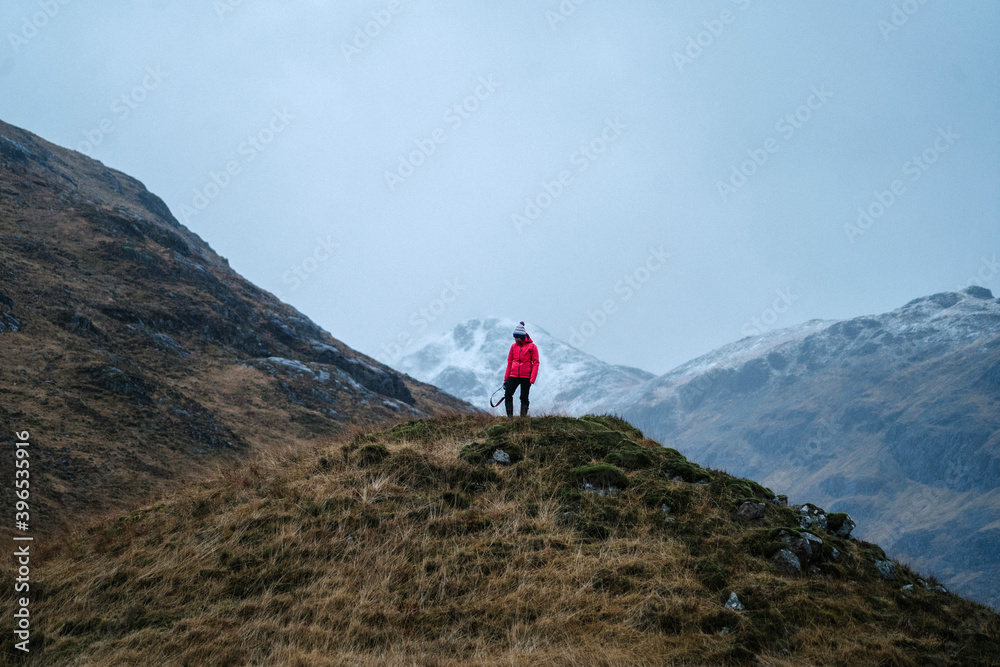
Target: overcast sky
<point>647,180</point>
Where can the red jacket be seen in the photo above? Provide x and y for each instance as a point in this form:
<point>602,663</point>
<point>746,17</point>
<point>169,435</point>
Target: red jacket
<point>522,361</point>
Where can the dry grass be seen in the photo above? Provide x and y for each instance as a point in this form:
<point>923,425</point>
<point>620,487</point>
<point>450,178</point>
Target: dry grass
<point>387,549</point>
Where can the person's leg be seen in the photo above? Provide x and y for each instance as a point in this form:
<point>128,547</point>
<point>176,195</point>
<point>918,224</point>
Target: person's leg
<point>508,395</point>
<point>525,388</point>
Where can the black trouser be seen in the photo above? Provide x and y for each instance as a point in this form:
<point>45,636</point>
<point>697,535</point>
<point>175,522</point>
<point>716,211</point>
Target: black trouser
<point>508,394</point>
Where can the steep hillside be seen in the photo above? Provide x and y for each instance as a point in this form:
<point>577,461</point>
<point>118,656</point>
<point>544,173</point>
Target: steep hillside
<point>469,362</point>
<point>460,541</point>
<point>894,418</point>
<point>134,356</point>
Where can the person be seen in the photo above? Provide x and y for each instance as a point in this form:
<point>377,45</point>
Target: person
<point>522,369</point>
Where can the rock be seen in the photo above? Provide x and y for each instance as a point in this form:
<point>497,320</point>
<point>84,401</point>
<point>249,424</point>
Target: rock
<point>812,517</point>
<point>886,569</point>
<point>168,344</point>
<point>724,631</point>
<point>840,524</point>
<point>807,547</point>
<point>500,456</point>
<point>9,323</point>
<point>378,380</point>
<point>941,589</point>
<point>604,491</point>
<point>815,545</point>
<point>734,603</point>
<point>677,478</point>
<point>835,553</point>
<point>702,481</point>
<point>665,508</point>
<point>780,501</point>
<point>786,562</point>
<point>76,323</point>
<point>751,511</point>
<point>907,587</point>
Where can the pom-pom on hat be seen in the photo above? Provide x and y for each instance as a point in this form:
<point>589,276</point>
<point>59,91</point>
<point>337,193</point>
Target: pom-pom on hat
<point>519,331</point>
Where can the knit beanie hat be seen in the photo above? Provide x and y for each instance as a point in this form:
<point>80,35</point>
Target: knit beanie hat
<point>519,330</point>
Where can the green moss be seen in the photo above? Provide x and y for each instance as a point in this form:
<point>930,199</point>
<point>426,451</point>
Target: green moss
<point>657,492</point>
<point>629,457</point>
<point>783,516</point>
<point>673,464</point>
<point>614,423</point>
<point>499,431</point>
<point>870,552</point>
<point>741,490</point>
<point>600,475</point>
<point>417,429</point>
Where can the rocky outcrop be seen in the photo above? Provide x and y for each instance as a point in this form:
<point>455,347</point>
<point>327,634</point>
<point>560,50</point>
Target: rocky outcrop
<point>378,380</point>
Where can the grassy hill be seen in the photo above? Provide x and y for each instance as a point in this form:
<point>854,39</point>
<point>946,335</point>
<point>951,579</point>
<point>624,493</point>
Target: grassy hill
<point>418,545</point>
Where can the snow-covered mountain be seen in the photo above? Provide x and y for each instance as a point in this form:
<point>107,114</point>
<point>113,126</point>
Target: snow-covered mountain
<point>894,418</point>
<point>469,362</point>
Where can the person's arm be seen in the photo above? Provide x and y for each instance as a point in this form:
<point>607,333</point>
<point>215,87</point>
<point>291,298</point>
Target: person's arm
<point>510,361</point>
<point>534,365</point>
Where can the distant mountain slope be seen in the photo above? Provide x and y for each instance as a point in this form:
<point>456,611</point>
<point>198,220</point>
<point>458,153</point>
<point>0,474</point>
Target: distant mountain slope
<point>469,362</point>
<point>133,355</point>
<point>894,418</point>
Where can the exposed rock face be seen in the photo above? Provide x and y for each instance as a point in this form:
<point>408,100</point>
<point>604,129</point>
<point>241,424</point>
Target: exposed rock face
<point>752,511</point>
<point>808,548</point>
<point>128,340</point>
<point>812,517</point>
<point>893,418</point>
<point>886,569</point>
<point>787,562</point>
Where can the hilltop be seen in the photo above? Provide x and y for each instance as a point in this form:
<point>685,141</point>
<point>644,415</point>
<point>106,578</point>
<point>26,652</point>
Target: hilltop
<point>475,540</point>
<point>136,357</point>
